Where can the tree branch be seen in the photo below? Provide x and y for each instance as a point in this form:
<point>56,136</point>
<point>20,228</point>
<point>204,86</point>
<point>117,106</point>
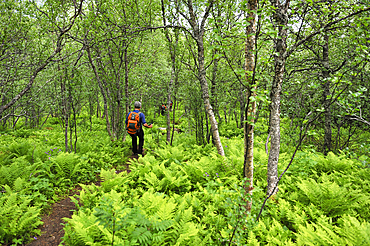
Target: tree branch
<point>325,28</point>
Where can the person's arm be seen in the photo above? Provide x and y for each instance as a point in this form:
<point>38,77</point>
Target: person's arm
<point>148,126</point>
<point>144,121</point>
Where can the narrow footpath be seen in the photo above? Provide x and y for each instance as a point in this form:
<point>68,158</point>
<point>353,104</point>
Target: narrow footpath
<point>52,229</point>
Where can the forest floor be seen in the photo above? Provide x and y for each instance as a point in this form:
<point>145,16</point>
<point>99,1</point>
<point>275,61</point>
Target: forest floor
<point>52,229</point>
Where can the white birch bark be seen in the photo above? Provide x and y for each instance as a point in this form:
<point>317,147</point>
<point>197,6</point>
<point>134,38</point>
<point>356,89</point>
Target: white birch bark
<point>250,45</point>
<point>280,22</point>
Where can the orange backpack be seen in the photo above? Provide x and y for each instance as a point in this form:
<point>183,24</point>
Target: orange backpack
<point>133,123</point>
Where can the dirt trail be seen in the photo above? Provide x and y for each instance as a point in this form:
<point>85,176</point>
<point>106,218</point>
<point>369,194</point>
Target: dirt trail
<point>52,229</point>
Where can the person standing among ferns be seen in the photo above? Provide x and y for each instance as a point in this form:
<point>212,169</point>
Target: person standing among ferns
<point>135,121</point>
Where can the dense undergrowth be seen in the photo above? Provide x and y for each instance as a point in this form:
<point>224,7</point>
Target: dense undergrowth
<point>35,172</point>
<point>180,195</point>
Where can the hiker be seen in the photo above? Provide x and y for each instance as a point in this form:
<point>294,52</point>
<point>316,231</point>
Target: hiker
<point>163,109</point>
<point>135,121</point>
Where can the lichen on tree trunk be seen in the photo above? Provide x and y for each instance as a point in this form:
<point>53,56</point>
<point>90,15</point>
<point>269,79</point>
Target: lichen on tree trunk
<point>250,113</point>
<point>280,21</point>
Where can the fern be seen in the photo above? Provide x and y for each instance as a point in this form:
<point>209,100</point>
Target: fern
<point>321,233</point>
<point>355,232</point>
<point>18,219</point>
<point>330,197</point>
<point>20,185</point>
<point>113,180</point>
<point>18,149</point>
<point>89,197</point>
<point>151,180</point>
<point>271,232</point>
<point>187,233</point>
<point>19,168</point>
<point>68,166</point>
<point>113,217</point>
<point>141,235</point>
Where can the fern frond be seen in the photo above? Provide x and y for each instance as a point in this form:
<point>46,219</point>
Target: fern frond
<point>321,233</point>
<point>141,234</point>
<point>354,231</point>
<point>151,180</point>
<point>166,210</point>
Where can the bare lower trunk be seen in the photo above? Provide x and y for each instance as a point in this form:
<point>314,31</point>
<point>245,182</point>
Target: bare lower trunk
<point>207,128</point>
<point>168,136</point>
<point>174,117</point>
<point>66,121</point>
<point>236,119</point>
<point>214,90</point>
<point>280,22</point>
<point>326,94</point>
<point>126,82</point>
<point>225,110</point>
<point>272,166</point>
<point>98,113</point>
<point>75,126</point>
<point>250,104</point>
<point>172,49</point>
<point>101,89</point>
<point>207,104</point>
<point>198,28</point>
<point>248,146</point>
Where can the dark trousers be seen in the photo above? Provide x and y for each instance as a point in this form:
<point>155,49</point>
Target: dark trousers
<point>135,149</point>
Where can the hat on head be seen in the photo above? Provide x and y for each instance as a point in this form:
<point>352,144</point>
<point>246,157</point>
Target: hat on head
<point>137,104</point>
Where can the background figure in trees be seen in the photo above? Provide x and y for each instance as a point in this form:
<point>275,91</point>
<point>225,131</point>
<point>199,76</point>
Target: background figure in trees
<point>163,108</point>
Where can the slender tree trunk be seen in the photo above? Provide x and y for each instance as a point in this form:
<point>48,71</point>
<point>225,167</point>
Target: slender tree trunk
<point>127,102</point>
<point>225,115</point>
<point>207,104</point>
<point>198,35</point>
<point>326,94</point>
<point>75,126</point>
<point>172,48</point>
<point>207,127</point>
<point>101,89</point>
<point>98,113</point>
<point>170,85</point>
<point>174,117</point>
<point>15,122</point>
<point>242,109</point>
<point>214,90</point>
<point>236,119</point>
<point>66,115</point>
<point>250,106</point>
<point>229,113</point>
<point>126,81</point>
<point>280,22</point>
<point>72,124</point>
<point>338,135</point>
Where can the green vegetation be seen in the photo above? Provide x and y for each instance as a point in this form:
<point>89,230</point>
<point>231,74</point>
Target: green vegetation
<point>265,139</point>
<point>34,173</point>
<point>183,194</point>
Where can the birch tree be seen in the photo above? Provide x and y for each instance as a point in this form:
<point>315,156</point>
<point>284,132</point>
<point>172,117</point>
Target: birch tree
<point>250,45</point>
<point>196,15</point>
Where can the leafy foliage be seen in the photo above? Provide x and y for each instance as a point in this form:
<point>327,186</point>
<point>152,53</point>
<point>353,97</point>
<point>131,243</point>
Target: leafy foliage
<point>185,194</point>
<point>18,219</point>
<point>202,196</point>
